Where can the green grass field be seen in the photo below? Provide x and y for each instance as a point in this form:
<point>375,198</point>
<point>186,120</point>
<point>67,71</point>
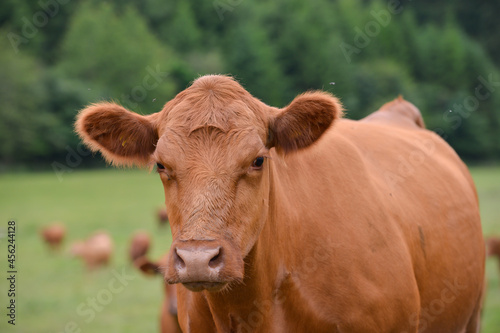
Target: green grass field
<point>56,294</point>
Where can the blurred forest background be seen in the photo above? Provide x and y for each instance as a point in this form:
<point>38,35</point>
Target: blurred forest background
<point>58,55</point>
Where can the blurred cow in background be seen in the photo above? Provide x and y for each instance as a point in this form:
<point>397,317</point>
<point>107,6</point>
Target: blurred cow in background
<point>139,247</point>
<point>162,216</point>
<point>493,248</point>
<point>96,251</point>
<point>53,235</point>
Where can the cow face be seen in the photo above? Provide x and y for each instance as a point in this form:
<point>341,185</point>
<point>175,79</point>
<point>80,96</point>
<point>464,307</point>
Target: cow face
<point>211,147</point>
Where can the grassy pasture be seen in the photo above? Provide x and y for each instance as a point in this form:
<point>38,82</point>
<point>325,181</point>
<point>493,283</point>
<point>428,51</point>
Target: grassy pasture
<point>56,294</point>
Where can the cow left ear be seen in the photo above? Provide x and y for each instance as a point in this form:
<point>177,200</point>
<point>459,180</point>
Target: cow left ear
<point>122,137</point>
<point>302,123</point>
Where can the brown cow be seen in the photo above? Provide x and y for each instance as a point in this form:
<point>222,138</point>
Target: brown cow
<point>53,235</point>
<point>162,216</point>
<point>139,245</point>
<point>95,251</point>
<point>493,248</point>
<point>138,255</point>
<point>295,220</point>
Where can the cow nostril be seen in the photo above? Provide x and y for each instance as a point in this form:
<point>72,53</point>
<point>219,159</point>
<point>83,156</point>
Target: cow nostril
<point>216,260</point>
<point>178,260</point>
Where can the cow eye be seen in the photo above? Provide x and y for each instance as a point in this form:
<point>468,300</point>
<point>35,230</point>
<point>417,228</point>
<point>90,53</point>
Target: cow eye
<point>258,162</point>
<point>161,169</point>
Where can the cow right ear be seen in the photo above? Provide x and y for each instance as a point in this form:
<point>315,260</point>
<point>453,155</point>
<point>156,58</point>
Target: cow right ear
<point>122,137</point>
<point>303,122</point>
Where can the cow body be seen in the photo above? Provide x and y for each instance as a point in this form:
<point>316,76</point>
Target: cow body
<point>365,230</point>
<point>359,226</point>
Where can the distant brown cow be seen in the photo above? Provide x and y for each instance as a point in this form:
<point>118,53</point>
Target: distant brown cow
<point>53,235</point>
<point>493,248</point>
<point>295,220</point>
<point>139,245</point>
<point>96,251</point>
<point>162,216</point>
<point>138,254</point>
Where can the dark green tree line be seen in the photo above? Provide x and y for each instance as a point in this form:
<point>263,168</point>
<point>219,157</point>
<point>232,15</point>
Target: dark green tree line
<point>59,55</point>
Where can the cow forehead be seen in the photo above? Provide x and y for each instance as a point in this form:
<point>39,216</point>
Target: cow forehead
<point>214,101</point>
<point>186,117</point>
<point>206,123</point>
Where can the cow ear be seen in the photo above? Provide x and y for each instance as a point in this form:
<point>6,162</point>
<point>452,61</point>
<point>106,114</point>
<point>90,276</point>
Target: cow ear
<point>303,122</point>
<point>122,137</point>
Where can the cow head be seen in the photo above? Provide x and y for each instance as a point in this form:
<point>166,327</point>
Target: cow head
<point>211,147</point>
